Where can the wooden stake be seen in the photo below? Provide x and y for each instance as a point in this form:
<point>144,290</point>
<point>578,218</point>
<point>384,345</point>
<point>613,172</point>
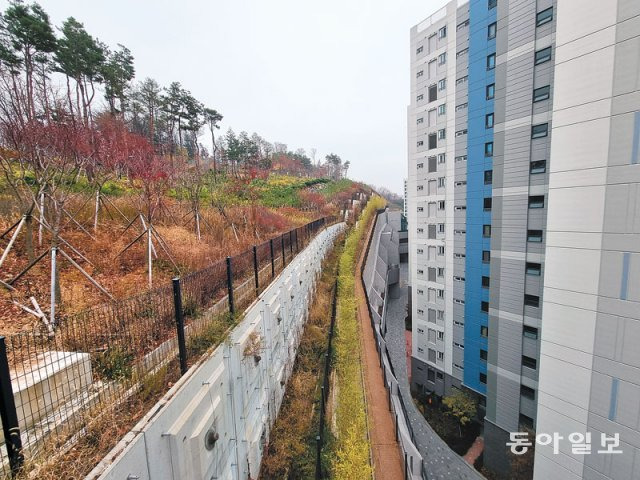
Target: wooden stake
<point>13,239</point>
<point>89,277</point>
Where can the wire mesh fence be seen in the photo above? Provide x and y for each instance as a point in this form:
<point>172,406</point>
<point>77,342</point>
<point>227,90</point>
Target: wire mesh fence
<point>54,381</point>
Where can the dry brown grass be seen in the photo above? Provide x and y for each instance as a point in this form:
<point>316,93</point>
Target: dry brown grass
<point>290,453</point>
<point>126,274</point>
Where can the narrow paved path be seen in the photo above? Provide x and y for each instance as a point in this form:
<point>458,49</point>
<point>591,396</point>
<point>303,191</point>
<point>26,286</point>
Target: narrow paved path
<point>387,462</point>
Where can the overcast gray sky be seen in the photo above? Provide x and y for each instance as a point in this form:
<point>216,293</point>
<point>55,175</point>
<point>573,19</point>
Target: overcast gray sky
<point>329,74</point>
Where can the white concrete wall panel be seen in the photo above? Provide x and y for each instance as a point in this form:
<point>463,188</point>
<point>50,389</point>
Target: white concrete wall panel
<point>230,393</point>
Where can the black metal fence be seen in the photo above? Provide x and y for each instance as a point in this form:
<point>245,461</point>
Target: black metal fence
<point>54,381</point>
<point>324,389</point>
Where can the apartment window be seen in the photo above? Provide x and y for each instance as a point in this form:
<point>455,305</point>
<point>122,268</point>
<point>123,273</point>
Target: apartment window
<point>420,188</point>
<point>420,165</point>
<point>542,56</point>
<point>459,367</point>
<point>462,79</point>
<point>488,149</point>
<point>538,166</point>
<point>433,166</point>
<point>442,84</point>
<point>458,324</point>
<point>534,236</point>
<point>545,16</point>
<point>491,61</point>
<point>441,228</point>
<point>441,250</point>
<point>441,182</point>
<point>420,272</point>
<point>531,300</point>
<point>442,33</point>
<point>529,362</point>
<point>420,143</point>
<point>420,230</point>
<point>442,58</point>
<point>419,74</point>
<point>431,232</point>
<point>433,93</point>
<point>431,68</point>
<point>486,256</point>
<point>440,375</point>
<point>460,26</point>
<point>431,375</point>
<point>459,345</point>
<point>460,158</point>
<point>483,378</point>
<point>442,134</point>
<point>484,331</point>
<point>442,158</point>
<point>441,271</point>
<point>533,269</point>
<point>542,93</point>
<point>484,307</point>
<point>432,42</point>
<point>420,120</point>
<point>525,421</point>
<point>530,332</point>
<point>442,109</point>
<point>431,274</point>
<point>421,209</point>
<point>462,106</point>
<point>419,97</point>
<point>462,52</point>
<point>420,252</point>
<point>440,293</point>
<point>491,91</point>
<point>458,279</point>
<point>483,354</point>
<point>488,120</point>
<point>527,392</point>
<point>539,131</point>
<point>440,204</point>
<point>488,177</point>
<point>419,50</point>
<point>491,31</point>
<point>486,205</point>
<point>440,314</point>
<point>459,133</point>
<point>433,141</point>
<point>485,281</point>
<point>536,201</point>
<point>486,231</point>
<point>492,4</point>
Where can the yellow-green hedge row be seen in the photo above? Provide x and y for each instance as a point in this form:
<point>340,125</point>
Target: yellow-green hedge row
<point>351,458</point>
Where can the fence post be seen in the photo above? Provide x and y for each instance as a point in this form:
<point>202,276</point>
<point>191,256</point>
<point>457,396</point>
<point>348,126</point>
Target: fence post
<point>177,303</point>
<point>318,462</point>
<point>232,309</point>
<point>297,246</point>
<point>283,259</point>
<point>8,413</point>
<point>396,427</point>
<point>255,269</point>
<point>290,241</point>
<point>273,263</point>
<point>406,476</point>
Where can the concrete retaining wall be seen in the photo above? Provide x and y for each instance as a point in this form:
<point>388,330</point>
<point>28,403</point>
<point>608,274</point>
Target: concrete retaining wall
<point>216,420</point>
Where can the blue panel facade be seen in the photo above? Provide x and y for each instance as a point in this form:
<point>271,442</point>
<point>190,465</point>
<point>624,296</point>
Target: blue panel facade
<point>478,135</point>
